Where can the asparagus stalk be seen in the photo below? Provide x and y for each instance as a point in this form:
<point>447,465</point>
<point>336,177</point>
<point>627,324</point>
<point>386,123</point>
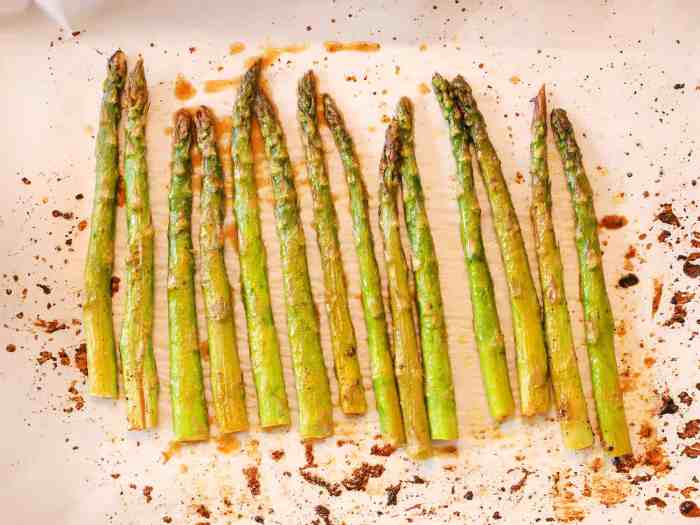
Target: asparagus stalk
<point>343,342</point>
<point>227,389</point>
<point>439,390</point>
<point>530,351</point>
<point>190,417</point>
<point>263,342</point>
<point>383,378</point>
<point>566,380</point>
<point>409,371</point>
<point>97,307</point>
<point>136,346</point>
<point>313,390</point>
<point>598,317</point>
<point>487,327</point>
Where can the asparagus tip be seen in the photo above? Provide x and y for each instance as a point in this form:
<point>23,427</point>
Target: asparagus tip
<point>117,63</point>
<point>204,123</point>
<point>539,111</point>
<point>306,90</point>
<point>390,154</point>
<point>560,121</point>
<point>330,111</point>
<point>253,72</point>
<point>136,90</point>
<point>182,125</point>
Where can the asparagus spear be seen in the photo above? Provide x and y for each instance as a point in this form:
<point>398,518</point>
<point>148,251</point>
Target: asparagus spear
<point>262,334</point>
<point>190,417</point>
<point>313,390</point>
<point>439,391</point>
<point>136,346</point>
<point>343,342</point>
<point>598,317</point>
<point>566,380</point>
<point>383,378</point>
<point>527,324</point>
<point>97,307</point>
<point>227,389</point>
<point>487,328</point>
<point>409,371</point>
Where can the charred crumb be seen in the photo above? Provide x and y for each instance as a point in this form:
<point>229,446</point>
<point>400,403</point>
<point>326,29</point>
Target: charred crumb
<point>203,511</point>
<point>147,491</point>
<point>626,281</point>
<point>385,450</point>
<point>613,222</point>
<point>11,348</point>
<point>44,288</point>
<point>521,483</point>
<point>392,492</point>
<point>360,476</point>
<point>277,454</point>
<point>324,514</point>
<point>80,358</point>
<point>114,284</point>
<point>656,300</point>
<point>663,236</point>
<point>685,398</point>
<point>692,451</point>
<point>691,269</point>
<point>624,464</point>
<point>50,326</point>
<point>690,430</point>
<point>253,480</point>
<point>641,479</point>
<point>309,455</point>
<point>668,406</point>
<point>689,509</point>
<point>667,216</point>
<point>655,502</point>
<point>417,480</point>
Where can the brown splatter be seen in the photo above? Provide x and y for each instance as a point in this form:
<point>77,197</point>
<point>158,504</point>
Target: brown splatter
<point>613,222</point>
<point>45,356</point>
<point>655,457</point>
<point>63,357</point>
<point>448,450</point>
<point>332,488</point>
<point>271,54</point>
<point>685,398</point>
<point>688,491</point>
<point>309,455</point>
<point>689,509</point>
<point>221,84</point>
<point>11,348</point>
<point>227,443</point>
<point>663,236</point>
<point>184,90</point>
<point>519,177</point>
<point>392,493</point>
<point>277,454</point>
<point>667,216</point>
<point>167,519</point>
<point>44,288</point>
<point>235,48</point>
<point>423,47</point>
<point>50,326</point>
<point>147,491</point>
<point>623,464</point>
<point>252,479</point>
<point>692,451</point>
<point>423,88</point>
<point>656,299</point>
<point>114,284</point>
<point>385,450</point>
<point>364,47</point>
<point>360,476</point>
<point>691,269</point>
<point>521,483</point>
<point>655,502</point>
<point>324,514</point>
<point>649,361</point>
<point>82,225</point>
<point>515,80</point>
<point>173,448</point>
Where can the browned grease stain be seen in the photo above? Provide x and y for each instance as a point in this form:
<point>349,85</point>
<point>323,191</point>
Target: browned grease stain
<point>361,46</point>
<point>204,349</point>
<point>565,505</point>
<point>448,450</point>
<point>168,130</point>
<point>515,80</point>
<point>270,54</point>
<point>423,88</point>
<point>221,84</point>
<point>656,299</point>
<point>222,126</point>
<point>613,222</point>
<point>184,90</point>
<point>172,450</point>
<point>236,47</point>
<point>423,47</point>
<point>196,157</point>
<point>227,444</point>
<point>609,491</point>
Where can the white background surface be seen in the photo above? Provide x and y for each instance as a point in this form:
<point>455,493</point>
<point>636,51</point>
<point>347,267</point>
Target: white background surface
<point>612,65</point>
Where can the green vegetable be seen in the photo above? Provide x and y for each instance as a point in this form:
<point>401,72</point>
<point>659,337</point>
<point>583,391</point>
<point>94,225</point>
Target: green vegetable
<point>439,391</point>
<point>383,378</point>
<point>530,350</point>
<point>313,389</point>
<point>136,346</point>
<point>409,370</point>
<point>487,327</point>
<point>97,306</point>
<point>263,343</point>
<point>347,365</point>
<point>190,417</point>
<point>227,388</point>
<point>566,380</point>
<point>597,313</point>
